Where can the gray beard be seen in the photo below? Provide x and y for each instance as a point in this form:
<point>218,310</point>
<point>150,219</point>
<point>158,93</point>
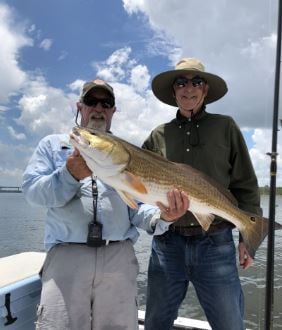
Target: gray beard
<point>98,124</point>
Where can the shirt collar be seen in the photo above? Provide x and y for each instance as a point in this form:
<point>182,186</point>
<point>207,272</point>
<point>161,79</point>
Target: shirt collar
<point>182,120</point>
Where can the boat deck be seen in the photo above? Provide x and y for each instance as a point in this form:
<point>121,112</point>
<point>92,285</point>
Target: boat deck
<point>179,323</point>
<point>20,289</point>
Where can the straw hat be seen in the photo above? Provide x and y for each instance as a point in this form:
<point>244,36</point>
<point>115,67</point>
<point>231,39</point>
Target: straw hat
<point>162,83</point>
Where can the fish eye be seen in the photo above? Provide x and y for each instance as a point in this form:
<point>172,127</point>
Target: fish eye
<point>253,219</point>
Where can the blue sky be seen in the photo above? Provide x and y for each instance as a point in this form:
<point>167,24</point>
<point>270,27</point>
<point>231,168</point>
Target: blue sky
<point>49,48</point>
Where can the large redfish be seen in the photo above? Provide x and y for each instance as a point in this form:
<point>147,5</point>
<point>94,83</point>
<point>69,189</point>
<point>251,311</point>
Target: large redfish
<point>141,175</point>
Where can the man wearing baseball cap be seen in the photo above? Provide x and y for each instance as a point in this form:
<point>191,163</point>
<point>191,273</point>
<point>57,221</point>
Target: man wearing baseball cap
<point>181,251</point>
<point>89,276</point>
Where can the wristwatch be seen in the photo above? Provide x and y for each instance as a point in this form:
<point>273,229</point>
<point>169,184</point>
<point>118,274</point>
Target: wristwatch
<point>154,220</point>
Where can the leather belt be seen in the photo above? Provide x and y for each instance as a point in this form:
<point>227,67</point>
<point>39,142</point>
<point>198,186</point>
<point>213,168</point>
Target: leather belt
<point>198,230</point>
<point>103,243</point>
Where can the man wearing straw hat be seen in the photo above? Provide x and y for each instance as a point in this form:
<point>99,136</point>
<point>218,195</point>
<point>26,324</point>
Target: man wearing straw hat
<point>181,251</point>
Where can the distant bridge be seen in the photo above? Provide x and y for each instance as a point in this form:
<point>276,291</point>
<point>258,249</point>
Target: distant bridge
<point>10,189</point>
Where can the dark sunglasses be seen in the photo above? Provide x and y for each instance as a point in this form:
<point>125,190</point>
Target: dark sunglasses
<point>195,81</point>
<point>92,101</point>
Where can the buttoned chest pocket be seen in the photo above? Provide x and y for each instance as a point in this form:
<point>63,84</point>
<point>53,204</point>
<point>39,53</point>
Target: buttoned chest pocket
<point>214,161</point>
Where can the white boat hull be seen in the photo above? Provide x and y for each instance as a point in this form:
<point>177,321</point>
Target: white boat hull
<point>20,289</point>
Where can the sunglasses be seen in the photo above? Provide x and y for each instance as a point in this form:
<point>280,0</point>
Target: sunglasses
<point>195,81</point>
<point>92,101</point>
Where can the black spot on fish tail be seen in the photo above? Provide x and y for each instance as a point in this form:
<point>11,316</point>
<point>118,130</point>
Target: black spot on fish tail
<point>255,232</point>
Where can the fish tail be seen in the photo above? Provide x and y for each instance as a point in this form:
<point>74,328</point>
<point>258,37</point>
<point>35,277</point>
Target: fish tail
<point>254,234</point>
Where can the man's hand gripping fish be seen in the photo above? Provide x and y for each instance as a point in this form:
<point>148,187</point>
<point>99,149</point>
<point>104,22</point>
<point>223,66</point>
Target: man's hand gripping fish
<point>141,175</point>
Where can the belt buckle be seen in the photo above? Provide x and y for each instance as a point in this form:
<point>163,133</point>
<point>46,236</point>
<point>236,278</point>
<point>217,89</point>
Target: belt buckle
<point>96,243</point>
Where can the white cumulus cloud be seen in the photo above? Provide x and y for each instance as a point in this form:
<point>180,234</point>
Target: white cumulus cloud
<point>13,36</point>
<point>116,67</point>
<point>15,135</point>
<point>140,78</point>
<point>262,139</point>
<point>46,44</point>
<point>45,109</point>
<point>235,40</point>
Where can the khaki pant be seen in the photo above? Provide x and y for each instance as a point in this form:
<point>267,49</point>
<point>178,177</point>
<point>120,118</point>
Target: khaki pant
<point>89,288</point>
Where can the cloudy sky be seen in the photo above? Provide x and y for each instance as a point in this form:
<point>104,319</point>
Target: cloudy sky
<point>49,48</point>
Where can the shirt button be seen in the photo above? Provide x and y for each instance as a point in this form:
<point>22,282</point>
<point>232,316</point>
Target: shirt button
<point>179,126</point>
<point>188,133</point>
<point>198,126</point>
<point>187,150</point>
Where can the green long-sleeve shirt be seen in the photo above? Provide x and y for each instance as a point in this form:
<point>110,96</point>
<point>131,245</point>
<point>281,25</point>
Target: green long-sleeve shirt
<point>213,144</point>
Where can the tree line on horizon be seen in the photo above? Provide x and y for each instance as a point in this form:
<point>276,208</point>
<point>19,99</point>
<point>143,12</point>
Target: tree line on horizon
<point>266,189</point>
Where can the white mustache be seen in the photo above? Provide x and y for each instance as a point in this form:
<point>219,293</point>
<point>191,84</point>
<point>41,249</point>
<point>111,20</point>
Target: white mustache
<point>94,116</point>
<point>97,121</point>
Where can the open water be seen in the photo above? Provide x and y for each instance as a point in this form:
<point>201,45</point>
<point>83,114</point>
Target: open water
<point>22,227</point>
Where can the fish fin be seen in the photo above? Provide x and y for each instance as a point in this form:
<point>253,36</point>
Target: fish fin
<point>134,182</point>
<point>255,232</point>
<point>127,198</point>
<point>204,220</point>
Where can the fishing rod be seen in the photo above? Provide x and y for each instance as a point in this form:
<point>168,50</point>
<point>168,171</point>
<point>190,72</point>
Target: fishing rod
<point>269,301</point>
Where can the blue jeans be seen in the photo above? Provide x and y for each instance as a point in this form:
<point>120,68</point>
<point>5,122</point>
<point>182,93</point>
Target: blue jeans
<point>209,262</point>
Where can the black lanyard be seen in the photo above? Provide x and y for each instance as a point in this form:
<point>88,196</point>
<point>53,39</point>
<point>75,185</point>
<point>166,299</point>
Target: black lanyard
<point>94,237</point>
<point>95,199</point>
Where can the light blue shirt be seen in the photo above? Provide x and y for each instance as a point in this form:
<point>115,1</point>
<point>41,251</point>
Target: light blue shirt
<point>69,203</point>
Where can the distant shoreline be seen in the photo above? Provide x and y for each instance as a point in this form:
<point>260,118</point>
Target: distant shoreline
<point>263,191</point>
<point>266,190</point>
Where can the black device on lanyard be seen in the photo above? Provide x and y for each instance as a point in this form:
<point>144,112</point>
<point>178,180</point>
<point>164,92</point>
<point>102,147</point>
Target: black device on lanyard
<point>94,237</point>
